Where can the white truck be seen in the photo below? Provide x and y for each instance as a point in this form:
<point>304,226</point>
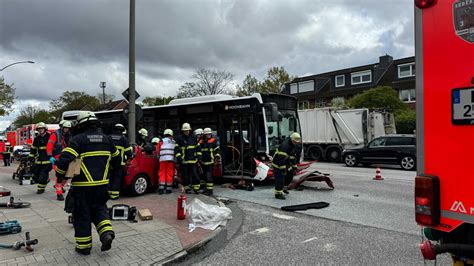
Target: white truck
<point>327,131</point>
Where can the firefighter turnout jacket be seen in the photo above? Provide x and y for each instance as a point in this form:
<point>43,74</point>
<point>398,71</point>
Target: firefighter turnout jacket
<point>56,143</point>
<point>8,150</point>
<point>38,149</point>
<point>122,145</point>
<point>187,149</point>
<point>208,149</point>
<point>96,151</point>
<point>286,156</point>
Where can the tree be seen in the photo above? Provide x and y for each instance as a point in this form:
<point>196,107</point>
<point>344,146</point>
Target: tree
<point>208,82</point>
<point>382,97</point>
<point>73,100</point>
<point>275,80</point>
<point>7,97</point>
<point>154,101</point>
<point>249,86</point>
<point>32,115</point>
<point>405,121</point>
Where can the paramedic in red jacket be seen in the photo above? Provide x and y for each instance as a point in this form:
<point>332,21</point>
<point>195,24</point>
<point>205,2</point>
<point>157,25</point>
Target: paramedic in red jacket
<point>165,150</point>
<point>56,143</point>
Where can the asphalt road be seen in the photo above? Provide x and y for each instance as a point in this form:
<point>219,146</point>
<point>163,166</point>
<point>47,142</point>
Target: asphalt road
<point>367,222</point>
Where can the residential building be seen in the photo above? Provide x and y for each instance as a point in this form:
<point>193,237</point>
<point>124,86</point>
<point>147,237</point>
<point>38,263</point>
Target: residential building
<point>319,90</point>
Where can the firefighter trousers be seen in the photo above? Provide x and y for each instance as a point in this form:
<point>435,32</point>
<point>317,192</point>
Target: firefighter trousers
<point>280,176</point>
<point>6,159</point>
<point>207,175</point>
<point>116,179</point>
<point>165,175</point>
<point>190,176</point>
<point>289,177</point>
<point>41,175</point>
<point>90,206</point>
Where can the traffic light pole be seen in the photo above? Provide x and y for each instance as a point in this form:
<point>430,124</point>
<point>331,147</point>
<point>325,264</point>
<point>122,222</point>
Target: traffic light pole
<point>131,80</point>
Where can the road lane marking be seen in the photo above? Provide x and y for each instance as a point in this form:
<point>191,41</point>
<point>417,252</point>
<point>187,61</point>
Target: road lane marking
<point>282,216</point>
<point>260,230</point>
<point>308,240</point>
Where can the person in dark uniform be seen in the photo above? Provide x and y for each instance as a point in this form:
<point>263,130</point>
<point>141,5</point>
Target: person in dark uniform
<point>187,154</point>
<point>283,162</point>
<point>7,154</point>
<point>90,188</point>
<point>38,153</point>
<point>209,150</point>
<point>118,173</point>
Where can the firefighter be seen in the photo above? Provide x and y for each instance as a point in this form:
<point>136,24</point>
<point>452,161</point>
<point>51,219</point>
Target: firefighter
<point>166,155</point>
<point>187,154</point>
<point>283,162</point>
<point>90,188</point>
<point>56,143</point>
<point>40,157</point>
<point>198,133</point>
<point>118,173</point>
<point>7,154</point>
<point>141,138</point>
<point>155,141</point>
<point>210,150</point>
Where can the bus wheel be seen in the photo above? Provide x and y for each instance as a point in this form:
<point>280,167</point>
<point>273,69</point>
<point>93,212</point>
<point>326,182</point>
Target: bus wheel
<point>315,153</point>
<point>333,154</point>
<point>139,185</point>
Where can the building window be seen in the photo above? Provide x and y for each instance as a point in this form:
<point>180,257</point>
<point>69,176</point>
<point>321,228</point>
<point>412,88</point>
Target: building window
<point>305,86</point>
<point>294,88</point>
<point>408,95</point>
<point>361,77</point>
<point>303,105</point>
<point>406,70</point>
<point>340,81</point>
<point>319,103</point>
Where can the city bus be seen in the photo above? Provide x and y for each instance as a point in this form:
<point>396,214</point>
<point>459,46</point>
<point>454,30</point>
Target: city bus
<point>247,128</point>
<point>444,199</point>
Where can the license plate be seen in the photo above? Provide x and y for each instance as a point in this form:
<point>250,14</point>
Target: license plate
<point>463,106</point>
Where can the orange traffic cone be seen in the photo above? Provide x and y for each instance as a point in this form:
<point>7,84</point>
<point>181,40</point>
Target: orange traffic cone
<point>378,175</point>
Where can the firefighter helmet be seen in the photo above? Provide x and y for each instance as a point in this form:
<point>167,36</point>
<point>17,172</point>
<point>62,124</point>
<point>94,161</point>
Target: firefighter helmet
<point>67,124</point>
<point>186,126</point>
<point>198,131</point>
<point>8,144</point>
<point>86,116</point>
<point>168,132</point>
<point>155,140</point>
<point>207,131</point>
<point>143,132</point>
<point>41,125</point>
<point>119,126</point>
<point>62,123</point>
<point>295,137</point>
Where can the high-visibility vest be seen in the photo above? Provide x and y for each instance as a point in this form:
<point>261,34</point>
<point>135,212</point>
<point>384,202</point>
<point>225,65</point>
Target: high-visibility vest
<point>167,150</point>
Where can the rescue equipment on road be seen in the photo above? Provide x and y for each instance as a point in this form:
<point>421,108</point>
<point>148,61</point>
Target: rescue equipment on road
<point>28,243</point>
<point>378,174</point>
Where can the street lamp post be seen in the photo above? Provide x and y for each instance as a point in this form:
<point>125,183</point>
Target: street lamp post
<point>21,62</point>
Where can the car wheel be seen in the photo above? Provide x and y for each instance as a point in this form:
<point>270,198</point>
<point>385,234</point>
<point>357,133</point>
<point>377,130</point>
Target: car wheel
<point>351,160</point>
<point>139,185</point>
<point>408,162</point>
<point>315,153</point>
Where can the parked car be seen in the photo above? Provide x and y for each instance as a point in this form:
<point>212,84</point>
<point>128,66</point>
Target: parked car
<point>390,149</point>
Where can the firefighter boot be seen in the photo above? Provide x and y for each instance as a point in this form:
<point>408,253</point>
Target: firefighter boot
<point>60,197</point>
<point>106,240</point>
<point>280,196</point>
<point>285,190</point>
<point>208,192</point>
<point>85,251</point>
<point>160,191</point>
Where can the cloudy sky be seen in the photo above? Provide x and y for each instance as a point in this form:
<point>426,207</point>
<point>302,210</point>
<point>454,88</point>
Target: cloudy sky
<point>77,44</point>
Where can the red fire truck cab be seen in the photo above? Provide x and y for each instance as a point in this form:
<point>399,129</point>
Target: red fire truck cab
<point>444,198</point>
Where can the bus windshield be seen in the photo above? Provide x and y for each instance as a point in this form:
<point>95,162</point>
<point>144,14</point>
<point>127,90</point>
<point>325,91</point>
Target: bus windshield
<point>279,130</point>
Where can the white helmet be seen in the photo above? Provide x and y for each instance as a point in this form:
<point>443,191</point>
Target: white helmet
<point>41,125</point>
<point>8,144</point>
<point>155,140</point>
<point>62,123</point>
<point>86,116</point>
<point>186,126</point>
<point>143,132</point>
<point>198,131</point>
<point>67,124</point>
<point>168,132</point>
<point>119,126</point>
<point>207,131</point>
<point>295,137</point>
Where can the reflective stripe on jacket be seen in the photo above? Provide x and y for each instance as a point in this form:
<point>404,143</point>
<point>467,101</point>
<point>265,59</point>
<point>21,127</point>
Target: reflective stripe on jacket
<point>187,149</point>
<point>121,143</point>
<point>38,149</point>
<point>208,149</point>
<point>167,148</point>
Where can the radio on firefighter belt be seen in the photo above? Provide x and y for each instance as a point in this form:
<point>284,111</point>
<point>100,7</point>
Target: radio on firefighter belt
<point>181,212</point>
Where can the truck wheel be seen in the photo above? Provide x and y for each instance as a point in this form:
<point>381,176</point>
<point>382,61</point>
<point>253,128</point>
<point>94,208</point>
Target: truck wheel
<point>139,185</point>
<point>333,154</point>
<point>351,160</point>
<point>315,153</point>
<point>408,162</point>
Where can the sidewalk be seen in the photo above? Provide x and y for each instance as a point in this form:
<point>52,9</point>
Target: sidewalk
<point>145,242</point>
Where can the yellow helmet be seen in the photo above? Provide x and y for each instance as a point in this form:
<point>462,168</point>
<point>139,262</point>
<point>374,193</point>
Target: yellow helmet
<point>41,125</point>
<point>186,126</point>
<point>168,132</point>
<point>296,137</point>
<point>143,132</point>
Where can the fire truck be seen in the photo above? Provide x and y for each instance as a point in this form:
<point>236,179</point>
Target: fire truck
<point>444,198</point>
<point>26,133</point>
